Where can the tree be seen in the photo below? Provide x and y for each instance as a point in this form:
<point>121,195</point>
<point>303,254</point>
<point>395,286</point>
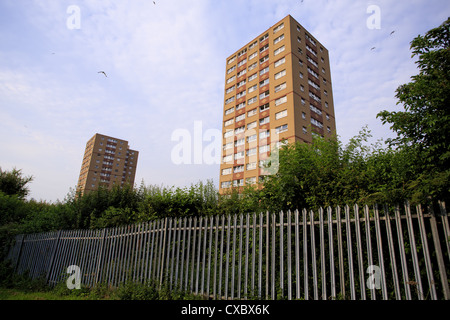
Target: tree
<point>424,126</point>
<point>13,183</point>
<point>425,123</point>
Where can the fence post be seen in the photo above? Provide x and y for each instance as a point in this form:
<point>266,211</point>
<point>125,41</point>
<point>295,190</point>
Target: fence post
<point>19,252</point>
<point>52,259</point>
<point>163,250</point>
<point>438,250</point>
<point>100,256</point>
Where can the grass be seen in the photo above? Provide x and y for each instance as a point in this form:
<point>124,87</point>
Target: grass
<point>17,294</point>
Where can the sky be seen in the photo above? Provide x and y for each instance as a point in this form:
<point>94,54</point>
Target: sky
<point>165,65</point>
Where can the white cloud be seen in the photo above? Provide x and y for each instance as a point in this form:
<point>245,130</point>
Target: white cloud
<point>165,65</point>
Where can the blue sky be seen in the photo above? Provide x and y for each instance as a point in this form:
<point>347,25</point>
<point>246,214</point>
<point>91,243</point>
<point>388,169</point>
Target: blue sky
<point>52,98</point>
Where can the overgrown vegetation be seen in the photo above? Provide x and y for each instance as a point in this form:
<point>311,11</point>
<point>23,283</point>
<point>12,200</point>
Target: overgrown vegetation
<point>414,166</point>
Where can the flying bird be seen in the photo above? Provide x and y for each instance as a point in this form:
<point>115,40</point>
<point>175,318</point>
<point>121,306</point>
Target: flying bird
<point>392,32</point>
<point>372,48</point>
<point>103,73</point>
<point>154,2</point>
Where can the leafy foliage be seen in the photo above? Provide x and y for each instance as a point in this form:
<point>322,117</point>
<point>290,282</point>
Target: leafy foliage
<point>424,126</point>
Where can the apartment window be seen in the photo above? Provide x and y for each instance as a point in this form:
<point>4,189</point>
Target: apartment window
<point>327,116</point>
<point>305,131</point>
<point>299,40</point>
<point>229,111</point>
<point>329,129</point>
<point>303,115</point>
<point>241,83</point>
<point>302,88</point>
<point>280,87</point>
<point>238,183</point>
<point>310,39</point>
<point>280,144</point>
<point>264,107</point>
<point>253,66</point>
<point>232,60</point>
<point>251,166</point>
<point>229,80</point>
<point>251,180</point>
<point>300,62</point>
<point>280,100</point>
<point>252,100</point>
<point>226,171</point>
<point>252,112</point>
<point>231,69</point>
<point>264,37</point>
<point>316,123</point>
<point>263,71</point>
<point>230,89</point>
<point>316,98</point>
<point>282,128</point>
<point>264,83</point>
<point>253,55</point>
<point>241,94</point>
<point>241,117</point>
<point>228,158</point>
<point>239,130</point>
<point>252,88</point>
<point>278,28</point>
<point>279,50</point>
<point>226,101</point>
<point>252,77</point>
<point>263,59</point>
<point>278,39</point>
<point>238,169</point>
<point>311,50</point>
<point>251,138</point>
<point>241,73</point>
<point>326,104</point>
<point>240,106</point>
<point>312,72</point>
<point>312,61</point>
<point>301,75</point>
<point>228,145</point>
<point>261,50</point>
<point>264,134</point>
<point>298,28</point>
<point>265,148</point>
<point>228,134</point>
<point>253,45</point>
<point>299,50</point>
<point>316,110</point>
<point>313,84</point>
<point>241,53</point>
<point>279,62</point>
<point>281,114</point>
<point>325,92</point>
<point>264,120</point>
<point>226,184</point>
<point>239,142</point>
<point>239,155</point>
<point>325,81</point>
<point>251,152</point>
<point>251,125</point>
<point>242,63</point>
<point>228,122</point>
<point>280,74</point>
<point>264,95</point>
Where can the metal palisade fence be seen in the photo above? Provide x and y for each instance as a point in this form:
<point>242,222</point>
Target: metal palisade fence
<point>379,252</point>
